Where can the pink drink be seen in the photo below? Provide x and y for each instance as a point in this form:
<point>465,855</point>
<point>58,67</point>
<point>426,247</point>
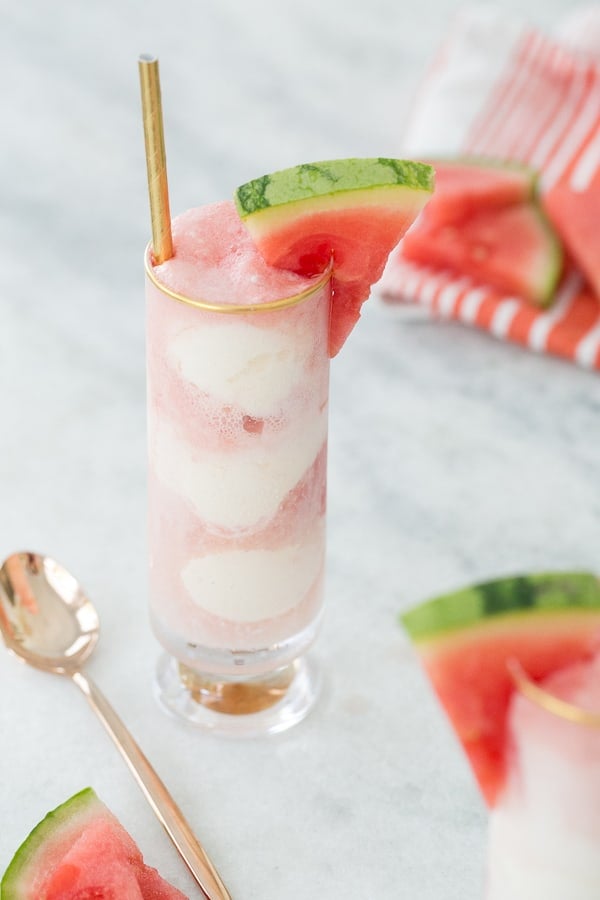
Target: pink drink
<point>237,429</point>
<point>545,829</point>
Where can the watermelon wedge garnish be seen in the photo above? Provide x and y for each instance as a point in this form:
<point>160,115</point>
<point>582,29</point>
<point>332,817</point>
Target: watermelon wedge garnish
<point>348,213</point>
<point>467,185</point>
<point>80,851</point>
<point>512,248</point>
<point>466,641</point>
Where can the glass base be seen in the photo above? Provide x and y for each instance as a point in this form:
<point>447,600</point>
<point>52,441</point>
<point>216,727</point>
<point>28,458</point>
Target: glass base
<point>238,707</point>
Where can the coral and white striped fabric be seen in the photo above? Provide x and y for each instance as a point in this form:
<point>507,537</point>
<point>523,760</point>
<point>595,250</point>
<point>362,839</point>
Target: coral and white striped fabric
<point>503,90</point>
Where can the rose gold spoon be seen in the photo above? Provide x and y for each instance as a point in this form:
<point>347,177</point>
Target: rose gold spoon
<point>47,621</point>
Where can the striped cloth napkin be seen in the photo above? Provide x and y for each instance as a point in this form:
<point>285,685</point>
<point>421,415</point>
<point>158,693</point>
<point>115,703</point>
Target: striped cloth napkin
<point>499,88</point>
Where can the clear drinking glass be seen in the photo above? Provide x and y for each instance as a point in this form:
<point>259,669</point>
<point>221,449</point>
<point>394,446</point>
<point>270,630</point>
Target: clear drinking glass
<point>544,837</point>
<point>237,434</point>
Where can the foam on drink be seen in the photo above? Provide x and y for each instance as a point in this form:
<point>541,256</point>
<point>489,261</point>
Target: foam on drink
<point>216,260</point>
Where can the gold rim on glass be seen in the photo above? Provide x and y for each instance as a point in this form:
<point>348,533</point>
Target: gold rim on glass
<point>548,701</point>
<point>283,303</point>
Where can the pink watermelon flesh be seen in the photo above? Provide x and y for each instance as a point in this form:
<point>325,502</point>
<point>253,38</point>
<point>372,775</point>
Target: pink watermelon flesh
<point>471,679</point>
<point>345,215</point>
<point>465,640</point>
<point>308,245</point>
<point>81,852</point>
<point>83,870</point>
<point>154,887</point>
<point>466,186</point>
<point>512,249</point>
<point>576,217</point>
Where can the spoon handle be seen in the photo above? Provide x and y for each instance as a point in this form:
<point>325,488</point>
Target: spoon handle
<point>156,793</point>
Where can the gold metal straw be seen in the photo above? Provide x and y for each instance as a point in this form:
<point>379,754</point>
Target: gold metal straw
<point>156,160</point>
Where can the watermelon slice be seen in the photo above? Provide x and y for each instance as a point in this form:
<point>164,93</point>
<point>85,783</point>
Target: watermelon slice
<point>512,248</point>
<point>467,639</point>
<point>79,852</point>
<point>576,215</point>
<point>349,213</point>
<point>466,185</point>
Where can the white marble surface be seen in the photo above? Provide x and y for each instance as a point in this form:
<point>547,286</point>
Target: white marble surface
<point>453,457</point>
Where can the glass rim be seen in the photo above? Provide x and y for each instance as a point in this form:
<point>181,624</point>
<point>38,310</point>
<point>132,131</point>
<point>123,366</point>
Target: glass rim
<point>552,704</point>
<point>229,308</point>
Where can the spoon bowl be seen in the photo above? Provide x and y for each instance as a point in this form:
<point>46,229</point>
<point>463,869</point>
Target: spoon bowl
<point>45,617</point>
<point>47,621</point>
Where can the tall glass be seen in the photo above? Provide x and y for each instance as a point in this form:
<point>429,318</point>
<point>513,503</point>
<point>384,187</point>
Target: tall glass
<point>544,840</point>
<point>237,432</point>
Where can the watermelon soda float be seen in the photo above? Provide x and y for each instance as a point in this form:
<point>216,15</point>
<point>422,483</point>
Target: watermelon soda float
<point>241,323</point>
<point>516,665</point>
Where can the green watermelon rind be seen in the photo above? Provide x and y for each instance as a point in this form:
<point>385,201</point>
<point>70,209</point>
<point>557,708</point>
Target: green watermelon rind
<point>272,219</point>
<point>329,178</point>
<point>498,601</point>
<point>69,814</point>
<point>554,259</point>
